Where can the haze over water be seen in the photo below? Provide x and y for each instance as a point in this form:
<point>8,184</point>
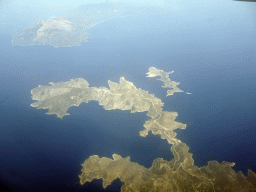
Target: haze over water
<point>210,48</point>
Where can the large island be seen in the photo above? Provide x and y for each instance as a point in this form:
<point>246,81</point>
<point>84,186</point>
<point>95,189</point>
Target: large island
<point>179,174</point>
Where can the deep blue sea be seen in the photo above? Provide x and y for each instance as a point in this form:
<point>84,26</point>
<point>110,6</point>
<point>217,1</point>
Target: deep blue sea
<point>214,61</point>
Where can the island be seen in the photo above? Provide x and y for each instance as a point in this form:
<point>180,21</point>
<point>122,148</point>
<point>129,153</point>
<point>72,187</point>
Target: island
<point>179,174</point>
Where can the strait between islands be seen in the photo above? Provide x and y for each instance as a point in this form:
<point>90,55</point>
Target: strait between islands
<point>179,174</point>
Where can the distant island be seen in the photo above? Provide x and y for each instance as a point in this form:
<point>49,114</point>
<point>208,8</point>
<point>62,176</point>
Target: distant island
<point>179,174</point>
<point>55,32</point>
<point>71,28</point>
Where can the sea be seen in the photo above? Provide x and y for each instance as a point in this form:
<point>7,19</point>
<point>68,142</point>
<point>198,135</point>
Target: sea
<point>212,56</point>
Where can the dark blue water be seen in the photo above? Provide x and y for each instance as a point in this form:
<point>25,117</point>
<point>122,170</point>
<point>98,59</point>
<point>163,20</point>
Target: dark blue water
<point>43,153</point>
